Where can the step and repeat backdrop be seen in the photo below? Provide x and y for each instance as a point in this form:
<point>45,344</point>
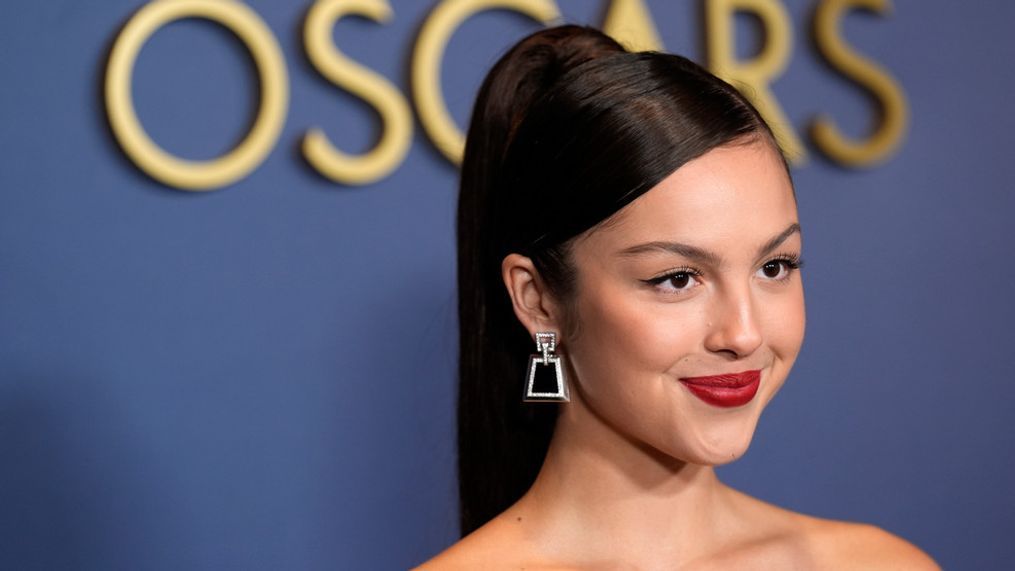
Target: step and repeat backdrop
<point>227,280</point>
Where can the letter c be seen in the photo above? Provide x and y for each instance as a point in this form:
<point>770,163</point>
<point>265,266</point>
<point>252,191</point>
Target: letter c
<point>146,154</point>
<point>426,63</point>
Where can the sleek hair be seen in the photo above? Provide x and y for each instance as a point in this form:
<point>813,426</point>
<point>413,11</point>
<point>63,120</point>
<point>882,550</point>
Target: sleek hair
<point>567,129</point>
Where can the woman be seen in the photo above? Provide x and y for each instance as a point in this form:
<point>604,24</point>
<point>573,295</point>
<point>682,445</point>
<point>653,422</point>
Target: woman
<point>628,220</point>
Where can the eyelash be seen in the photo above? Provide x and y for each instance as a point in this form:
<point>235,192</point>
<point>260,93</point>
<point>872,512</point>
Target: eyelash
<point>659,280</point>
<point>792,262</point>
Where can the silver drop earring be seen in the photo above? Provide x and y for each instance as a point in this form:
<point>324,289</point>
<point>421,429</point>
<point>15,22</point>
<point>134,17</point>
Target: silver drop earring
<point>546,344</point>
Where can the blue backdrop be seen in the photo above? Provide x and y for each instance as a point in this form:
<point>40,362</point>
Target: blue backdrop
<point>262,377</point>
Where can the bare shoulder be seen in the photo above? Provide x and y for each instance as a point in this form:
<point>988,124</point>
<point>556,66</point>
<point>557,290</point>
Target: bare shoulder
<point>464,554</point>
<point>497,544</point>
<point>469,552</point>
<point>846,545</point>
<point>803,541</point>
<point>770,536</point>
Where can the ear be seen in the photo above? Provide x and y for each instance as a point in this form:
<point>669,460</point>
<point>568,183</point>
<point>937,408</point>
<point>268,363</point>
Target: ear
<point>534,306</point>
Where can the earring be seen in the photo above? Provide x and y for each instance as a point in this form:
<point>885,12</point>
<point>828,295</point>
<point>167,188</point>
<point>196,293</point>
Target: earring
<point>546,344</point>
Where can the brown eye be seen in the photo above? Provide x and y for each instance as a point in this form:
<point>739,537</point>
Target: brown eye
<point>677,282</point>
<point>772,269</point>
<point>680,281</point>
<point>780,268</point>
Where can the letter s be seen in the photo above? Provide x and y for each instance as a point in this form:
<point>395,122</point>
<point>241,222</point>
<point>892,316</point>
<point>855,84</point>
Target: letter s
<point>396,135</point>
<point>895,114</point>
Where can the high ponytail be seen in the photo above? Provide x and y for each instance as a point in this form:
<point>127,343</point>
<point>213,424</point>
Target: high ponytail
<point>501,443</point>
<point>567,129</point>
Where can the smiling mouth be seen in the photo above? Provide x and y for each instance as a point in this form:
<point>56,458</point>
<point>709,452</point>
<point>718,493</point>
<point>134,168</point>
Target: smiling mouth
<point>727,390</point>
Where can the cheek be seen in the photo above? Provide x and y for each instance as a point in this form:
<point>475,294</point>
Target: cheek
<point>784,321</point>
<point>622,336</point>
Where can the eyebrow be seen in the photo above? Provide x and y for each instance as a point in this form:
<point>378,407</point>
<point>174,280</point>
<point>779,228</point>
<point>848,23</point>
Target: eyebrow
<point>696,253</point>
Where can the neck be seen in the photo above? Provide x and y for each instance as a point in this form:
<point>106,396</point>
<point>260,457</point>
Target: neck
<point>603,496</point>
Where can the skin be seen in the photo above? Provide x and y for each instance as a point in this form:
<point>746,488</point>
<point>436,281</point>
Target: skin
<point>629,480</point>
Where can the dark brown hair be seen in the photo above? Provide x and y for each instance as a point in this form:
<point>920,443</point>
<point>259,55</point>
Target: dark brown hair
<point>567,129</point>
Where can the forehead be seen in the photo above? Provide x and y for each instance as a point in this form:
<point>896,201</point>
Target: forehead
<point>734,194</point>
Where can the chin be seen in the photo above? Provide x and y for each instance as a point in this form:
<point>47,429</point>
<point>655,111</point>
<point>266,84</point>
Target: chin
<point>721,440</point>
<point>718,447</point>
<point>721,456</point>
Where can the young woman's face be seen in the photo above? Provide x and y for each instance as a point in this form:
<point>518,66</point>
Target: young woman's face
<point>696,278</point>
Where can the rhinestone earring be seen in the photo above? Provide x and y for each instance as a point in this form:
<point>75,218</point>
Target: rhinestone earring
<point>546,344</point>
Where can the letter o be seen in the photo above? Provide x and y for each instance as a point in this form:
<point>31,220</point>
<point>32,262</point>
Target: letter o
<point>146,154</point>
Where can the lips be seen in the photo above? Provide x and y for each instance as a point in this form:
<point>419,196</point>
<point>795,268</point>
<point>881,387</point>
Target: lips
<point>728,390</point>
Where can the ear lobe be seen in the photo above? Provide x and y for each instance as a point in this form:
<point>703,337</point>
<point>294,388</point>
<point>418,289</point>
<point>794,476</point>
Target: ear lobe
<point>532,303</point>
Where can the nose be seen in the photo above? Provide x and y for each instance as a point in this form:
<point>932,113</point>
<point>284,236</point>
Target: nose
<point>733,327</point>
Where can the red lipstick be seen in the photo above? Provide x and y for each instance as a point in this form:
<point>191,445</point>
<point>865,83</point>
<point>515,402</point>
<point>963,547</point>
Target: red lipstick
<point>729,390</point>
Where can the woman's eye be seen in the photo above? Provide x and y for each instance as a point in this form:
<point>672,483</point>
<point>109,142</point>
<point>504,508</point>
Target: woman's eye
<point>778,269</point>
<point>675,282</point>
<point>680,281</point>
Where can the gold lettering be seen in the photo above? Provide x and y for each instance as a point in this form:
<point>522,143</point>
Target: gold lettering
<point>146,154</point>
<point>429,52</point>
<point>396,133</point>
<point>630,23</point>
<point>757,73</point>
<point>895,114</point>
